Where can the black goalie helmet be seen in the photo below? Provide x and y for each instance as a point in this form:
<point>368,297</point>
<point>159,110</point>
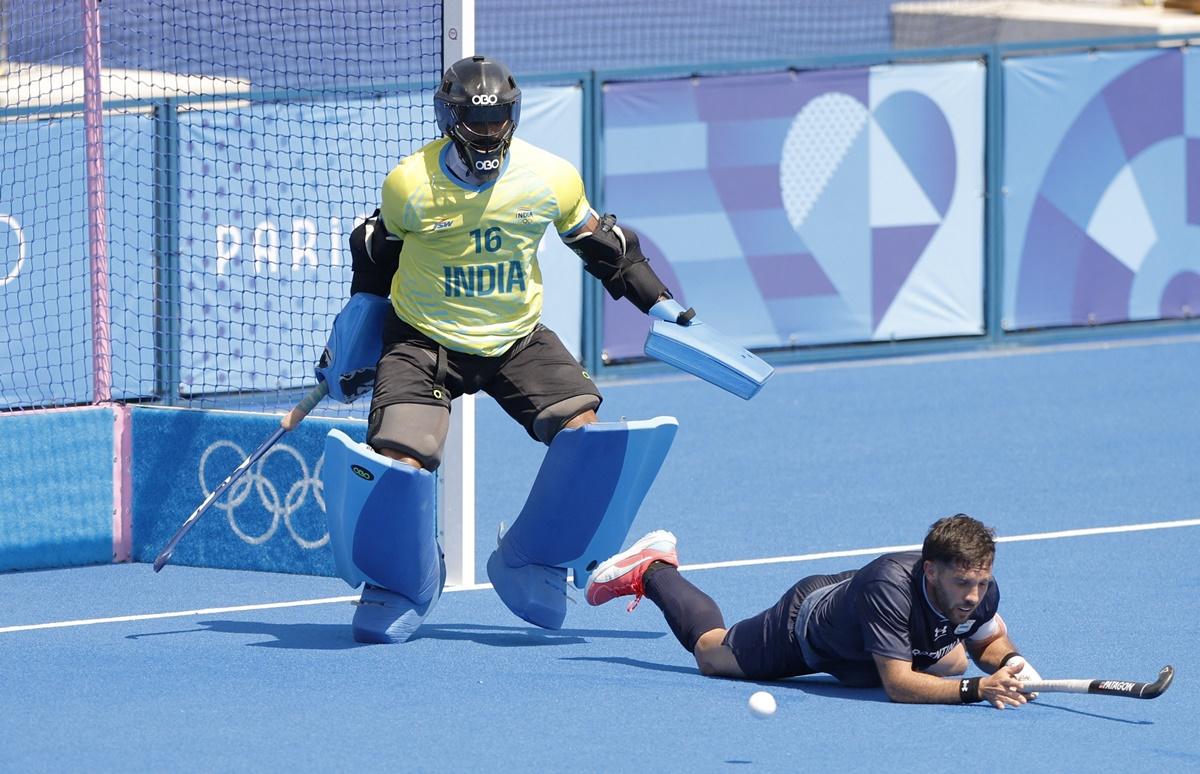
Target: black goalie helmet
<point>478,106</point>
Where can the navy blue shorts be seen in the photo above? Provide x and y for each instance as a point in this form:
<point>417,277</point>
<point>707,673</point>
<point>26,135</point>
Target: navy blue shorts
<point>765,645</point>
<point>536,372</point>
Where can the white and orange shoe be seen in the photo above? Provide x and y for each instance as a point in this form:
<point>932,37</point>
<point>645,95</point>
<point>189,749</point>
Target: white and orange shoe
<point>622,574</point>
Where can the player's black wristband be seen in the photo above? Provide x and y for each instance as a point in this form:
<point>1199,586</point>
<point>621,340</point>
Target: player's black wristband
<point>1009,655</point>
<point>968,690</point>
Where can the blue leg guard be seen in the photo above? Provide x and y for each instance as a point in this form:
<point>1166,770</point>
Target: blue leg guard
<point>584,499</point>
<point>383,531</point>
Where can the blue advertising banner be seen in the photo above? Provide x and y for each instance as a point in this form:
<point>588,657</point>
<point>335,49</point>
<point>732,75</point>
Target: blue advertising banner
<point>46,342</point>
<point>1102,169</point>
<point>805,208</point>
<point>272,518</point>
<point>270,194</point>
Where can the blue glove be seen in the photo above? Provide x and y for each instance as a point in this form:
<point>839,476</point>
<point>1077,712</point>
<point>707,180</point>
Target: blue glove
<point>681,339</point>
<point>670,310</point>
<point>348,363</point>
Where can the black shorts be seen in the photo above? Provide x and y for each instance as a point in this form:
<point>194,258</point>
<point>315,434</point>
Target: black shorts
<point>765,645</point>
<point>536,372</point>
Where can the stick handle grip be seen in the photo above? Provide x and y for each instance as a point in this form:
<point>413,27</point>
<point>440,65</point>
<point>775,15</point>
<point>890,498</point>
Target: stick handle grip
<point>307,404</point>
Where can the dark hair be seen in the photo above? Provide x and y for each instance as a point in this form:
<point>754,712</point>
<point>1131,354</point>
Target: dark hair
<point>961,541</point>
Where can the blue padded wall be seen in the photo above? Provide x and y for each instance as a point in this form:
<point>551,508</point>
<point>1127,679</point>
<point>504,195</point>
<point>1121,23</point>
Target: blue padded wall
<point>272,519</point>
<point>56,488</point>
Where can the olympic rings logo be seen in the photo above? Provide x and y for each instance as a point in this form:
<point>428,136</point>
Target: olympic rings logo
<point>282,509</point>
<point>487,164</point>
<point>484,99</point>
<point>15,227</point>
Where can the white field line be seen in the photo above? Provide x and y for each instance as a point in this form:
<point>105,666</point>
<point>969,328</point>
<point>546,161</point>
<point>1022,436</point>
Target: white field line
<point>1068,533</point>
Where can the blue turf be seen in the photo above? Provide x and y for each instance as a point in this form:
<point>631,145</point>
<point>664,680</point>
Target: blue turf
<point>869,454</point>
<point>823,459</point>
<point>289,689</point>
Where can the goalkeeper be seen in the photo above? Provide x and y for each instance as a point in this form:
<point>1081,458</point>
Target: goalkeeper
<point>905,620</point>
<point>448,269</point>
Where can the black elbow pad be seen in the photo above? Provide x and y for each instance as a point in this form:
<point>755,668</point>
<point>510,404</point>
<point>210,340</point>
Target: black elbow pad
<point>374,257</point>
<point>641,284</point>
<point>613,255</point>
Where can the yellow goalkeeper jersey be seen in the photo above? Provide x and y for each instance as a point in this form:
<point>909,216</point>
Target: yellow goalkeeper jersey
<point>469,276</point>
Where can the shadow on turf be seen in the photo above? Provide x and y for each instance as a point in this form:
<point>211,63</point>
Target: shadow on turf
<point>817,685</point>
<point>524,636</point>
<point>1041,704</point>
<point>301,636</point>
<point>305,636</point>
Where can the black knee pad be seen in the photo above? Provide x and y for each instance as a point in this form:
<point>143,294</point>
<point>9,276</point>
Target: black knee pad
<point>415,429</point>
<point>552,418</point>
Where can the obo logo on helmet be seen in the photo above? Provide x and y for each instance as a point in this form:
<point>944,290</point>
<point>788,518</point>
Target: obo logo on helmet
<point>485,165</point>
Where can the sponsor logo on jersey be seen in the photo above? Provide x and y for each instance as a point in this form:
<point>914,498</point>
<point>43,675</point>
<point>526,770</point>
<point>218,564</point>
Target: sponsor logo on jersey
<point>442,225</point>
<point>940,631</point>
<point>935,655</point>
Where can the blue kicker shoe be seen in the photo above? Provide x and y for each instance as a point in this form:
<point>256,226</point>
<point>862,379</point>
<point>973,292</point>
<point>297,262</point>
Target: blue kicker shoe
<point>383,617</point>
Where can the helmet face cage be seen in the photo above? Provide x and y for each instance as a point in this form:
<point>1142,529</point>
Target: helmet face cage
<point>478,106</point>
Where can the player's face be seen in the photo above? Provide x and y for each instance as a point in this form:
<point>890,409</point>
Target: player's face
<point>956,590</point>
<point>486,133</point>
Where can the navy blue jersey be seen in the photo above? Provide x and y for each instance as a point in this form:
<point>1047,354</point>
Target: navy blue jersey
<point>884,610</point>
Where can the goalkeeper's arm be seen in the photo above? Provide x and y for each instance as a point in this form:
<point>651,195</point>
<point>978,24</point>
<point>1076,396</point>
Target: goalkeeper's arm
<point>374,257</point>
<point>613,255</point>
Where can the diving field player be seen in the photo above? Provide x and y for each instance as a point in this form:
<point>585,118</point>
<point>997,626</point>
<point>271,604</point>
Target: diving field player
<point>446,300</point>
<point>907,620</point>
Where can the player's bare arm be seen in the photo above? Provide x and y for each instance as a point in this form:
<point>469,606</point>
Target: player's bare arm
<point>997,650</point>
<point>903,685</point>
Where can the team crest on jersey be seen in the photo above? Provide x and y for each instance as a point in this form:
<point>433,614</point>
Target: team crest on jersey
<point>525,216</point>
<point>965,626</point>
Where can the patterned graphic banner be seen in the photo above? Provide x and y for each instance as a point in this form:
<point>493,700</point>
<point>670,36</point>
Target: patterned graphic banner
<point>805,208</point>
<point>1102,167</point>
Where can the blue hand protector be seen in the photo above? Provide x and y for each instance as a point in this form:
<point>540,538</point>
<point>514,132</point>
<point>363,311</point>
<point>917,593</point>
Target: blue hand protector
<point>679,338</point>
<point>348,363</point>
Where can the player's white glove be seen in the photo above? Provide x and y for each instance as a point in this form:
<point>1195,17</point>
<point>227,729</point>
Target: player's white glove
<point>1025,672</point>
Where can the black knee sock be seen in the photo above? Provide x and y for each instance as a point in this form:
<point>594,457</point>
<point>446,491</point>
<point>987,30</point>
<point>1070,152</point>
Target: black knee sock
<point>688,610</point>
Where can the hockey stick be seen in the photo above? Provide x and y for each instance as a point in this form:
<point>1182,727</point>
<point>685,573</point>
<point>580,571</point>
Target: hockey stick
<point>289,422</point>
<point>1106,687</point>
